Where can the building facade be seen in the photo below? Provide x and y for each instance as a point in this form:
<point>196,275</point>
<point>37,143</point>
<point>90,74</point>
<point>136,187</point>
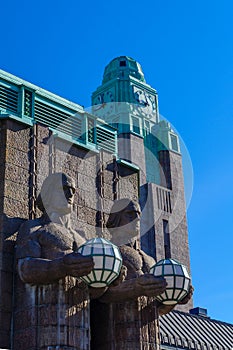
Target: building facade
<point>42,133</point>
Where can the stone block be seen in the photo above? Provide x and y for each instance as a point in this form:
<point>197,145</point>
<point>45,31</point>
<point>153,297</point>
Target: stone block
<point>6,301</point>
<point>25,318</point>
<point>86,181</point>
<point>5,320</point>
<point>17,157</point>
<point>18,136</point>
<point>15,208</point>
<point>4,339</point>
<point>16,174</point>
<point>7,281</point>
<point>87,214</point>
<point>26,339</point>
<point>17,191</point>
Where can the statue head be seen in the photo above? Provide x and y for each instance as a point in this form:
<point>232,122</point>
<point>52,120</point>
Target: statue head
<point>57,194</point>
<point>124,221</point>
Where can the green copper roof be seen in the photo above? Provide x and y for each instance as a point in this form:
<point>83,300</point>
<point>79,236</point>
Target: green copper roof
<point>123,67</point>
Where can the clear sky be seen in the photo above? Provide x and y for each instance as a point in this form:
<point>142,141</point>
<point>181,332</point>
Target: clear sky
<point>186,52</point>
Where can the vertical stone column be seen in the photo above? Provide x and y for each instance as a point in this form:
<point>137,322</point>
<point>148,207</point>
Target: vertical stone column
<point>126,325</point>
<point>149,324</point>
<point>53,316</point>
<point>14,209</point>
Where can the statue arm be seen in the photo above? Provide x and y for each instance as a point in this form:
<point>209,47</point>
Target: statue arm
<point>40,271</point>
<point>147,285</point>
<point>43,271</point>
<point>33,268</point>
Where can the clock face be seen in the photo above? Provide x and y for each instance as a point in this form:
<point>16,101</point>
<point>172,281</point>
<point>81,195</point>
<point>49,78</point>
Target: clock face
<point>104,104</point>
<point>145,102</point>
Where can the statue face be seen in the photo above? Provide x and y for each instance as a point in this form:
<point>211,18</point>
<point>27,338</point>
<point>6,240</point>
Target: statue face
<point>57,194</point>
<point>130,220</point>
<point>62,198</point>
<point>124,221</point>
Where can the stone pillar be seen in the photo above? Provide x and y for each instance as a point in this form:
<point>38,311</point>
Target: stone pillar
<point>53,316</point>
<point>14,143</point>
<point>126,326</point>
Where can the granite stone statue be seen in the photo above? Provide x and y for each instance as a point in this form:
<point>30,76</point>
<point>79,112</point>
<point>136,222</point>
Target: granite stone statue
<point>126,315</point>
<point>49,266</point>
<point>124,226</point>
<point>46,246</point>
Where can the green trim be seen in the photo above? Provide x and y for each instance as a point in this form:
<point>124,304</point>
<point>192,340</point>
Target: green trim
<point>45,93</point>
<point>128,164</point>
<point>23,120</point>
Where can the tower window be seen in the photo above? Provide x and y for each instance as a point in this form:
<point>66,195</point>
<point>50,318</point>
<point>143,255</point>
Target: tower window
<point>122,63</point>
<point>136,125</point>
<point>166,237</point>
<point>174,143</point>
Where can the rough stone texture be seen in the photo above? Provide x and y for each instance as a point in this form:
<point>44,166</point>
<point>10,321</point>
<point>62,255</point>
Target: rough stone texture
<point>19,144</point>
<point>129,325</point>
<point>36,326</point>
<point>131,148</point>
<point>128,183</point>
<point>17,149</point>
<point>14,208</point>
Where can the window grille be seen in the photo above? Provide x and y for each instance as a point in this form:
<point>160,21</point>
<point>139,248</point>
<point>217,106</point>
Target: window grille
<point>106,139</point>
<point>58,120</point>
<point>8,99</point>
<point>164,199</point>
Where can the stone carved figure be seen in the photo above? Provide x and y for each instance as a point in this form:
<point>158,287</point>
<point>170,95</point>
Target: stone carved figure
<point>124,226</point>
<point>46,246</point>
<point>130,306</point>
<point>51,303</point>
<point>51,310</point>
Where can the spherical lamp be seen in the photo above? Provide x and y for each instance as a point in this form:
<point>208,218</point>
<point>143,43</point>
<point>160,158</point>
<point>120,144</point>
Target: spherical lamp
<point>107,259</point>
<point>177,278</point>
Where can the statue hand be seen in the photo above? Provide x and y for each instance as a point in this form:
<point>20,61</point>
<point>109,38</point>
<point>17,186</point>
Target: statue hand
<point>77,265</point>
<point>151,285</point>
<point>121,277</point>
<point>186,299</point>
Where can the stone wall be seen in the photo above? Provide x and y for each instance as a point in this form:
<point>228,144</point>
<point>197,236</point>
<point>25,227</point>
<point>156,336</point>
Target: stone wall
<point>28,155</point>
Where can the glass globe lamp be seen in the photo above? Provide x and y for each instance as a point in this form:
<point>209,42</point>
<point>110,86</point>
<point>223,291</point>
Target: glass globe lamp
<point>177,278</point>
<point>107,259</point>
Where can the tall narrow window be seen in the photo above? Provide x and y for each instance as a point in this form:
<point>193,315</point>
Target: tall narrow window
<point>166,238</point>
<point>174,143</point>
<point>136,125</point>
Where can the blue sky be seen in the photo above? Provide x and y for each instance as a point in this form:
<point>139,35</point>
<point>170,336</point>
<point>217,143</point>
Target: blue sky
<point>186,52</point>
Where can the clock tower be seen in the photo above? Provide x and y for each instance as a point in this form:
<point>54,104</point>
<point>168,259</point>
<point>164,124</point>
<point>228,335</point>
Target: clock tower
<point>128,103</point>
<point>124,82</point>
